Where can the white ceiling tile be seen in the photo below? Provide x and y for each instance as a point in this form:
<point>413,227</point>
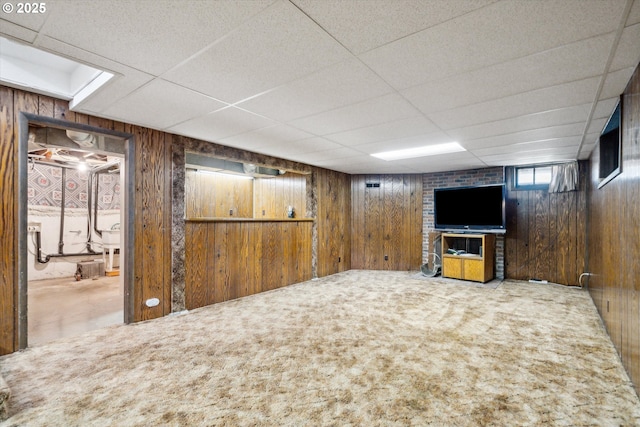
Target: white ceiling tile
<point>336,153</point>
<point>553,132</point>
<point>531,156</point>
<point>597,125</point>
<point>564,149</point>
<point>359,164</point>
<point>271,135</point>
<point>387,108</point>
<point>615,83</point>
<point>30,21</point>
<point>566,95</point>
<point>315,148</point>
<point>161,104</point>
<point>402,143</point>
<point>342,84</point>
<point>442,162</point>
<point>221,124</point>
<point>628,51</point>
<point>530,146</point>
<point>368,169</point>
<point>328,82</point>
<point>605,107</point>
<point>416,125</point>
<point>151,39</point>
<point>634,14</point>
<point>586,151</point>
<point>17,32</point>
<point>525,122</point>
<point>277,46</point>
<point>363,25</point>
<point>328,157</point>
<point>118,87</point>
<point>518,28</point>
<point>575,61</point>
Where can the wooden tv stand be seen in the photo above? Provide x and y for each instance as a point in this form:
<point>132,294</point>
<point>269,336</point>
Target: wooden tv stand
<point>477,261</point>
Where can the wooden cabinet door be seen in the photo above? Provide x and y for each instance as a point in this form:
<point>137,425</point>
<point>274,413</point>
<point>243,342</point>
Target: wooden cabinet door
<point>452,267</point>
<point>474,270</point>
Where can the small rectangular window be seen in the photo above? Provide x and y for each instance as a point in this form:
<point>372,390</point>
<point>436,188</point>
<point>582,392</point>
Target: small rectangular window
<point>532,177</point>
<point>524,176</point>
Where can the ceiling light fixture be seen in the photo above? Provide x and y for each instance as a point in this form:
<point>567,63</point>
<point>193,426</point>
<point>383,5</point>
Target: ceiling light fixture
<point>428,150</point>
<point>232,175</point>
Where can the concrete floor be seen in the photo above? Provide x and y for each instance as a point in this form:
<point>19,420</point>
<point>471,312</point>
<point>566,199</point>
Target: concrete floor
<point>64,307</point>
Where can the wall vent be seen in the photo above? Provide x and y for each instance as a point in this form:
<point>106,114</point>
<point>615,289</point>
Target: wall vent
<point>373,185</point>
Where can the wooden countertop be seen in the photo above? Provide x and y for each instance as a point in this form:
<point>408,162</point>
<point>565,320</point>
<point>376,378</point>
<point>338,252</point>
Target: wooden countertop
<point>230,219</point>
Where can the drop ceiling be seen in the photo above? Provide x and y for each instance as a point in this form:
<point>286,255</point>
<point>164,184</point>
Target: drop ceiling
<point>331,82</point>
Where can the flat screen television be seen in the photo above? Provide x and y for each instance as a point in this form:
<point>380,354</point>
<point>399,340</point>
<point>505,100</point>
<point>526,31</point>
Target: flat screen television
<point>610,153</point>
<point>470,209</point>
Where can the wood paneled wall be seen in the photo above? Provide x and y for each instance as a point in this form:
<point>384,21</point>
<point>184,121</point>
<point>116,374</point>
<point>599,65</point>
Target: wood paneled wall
<point>220,196</point>
<point>614,239</point>
<point>152,222</point>
<point>545,236</point>
<point>334,222</point>
<point>8,219</point>
<point>228,260</point>
<point>273,195</point>
<point>386,222</point>
<point>152,269</point>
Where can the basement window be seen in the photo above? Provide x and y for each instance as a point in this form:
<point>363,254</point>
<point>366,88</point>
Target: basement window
<point>532,177</point>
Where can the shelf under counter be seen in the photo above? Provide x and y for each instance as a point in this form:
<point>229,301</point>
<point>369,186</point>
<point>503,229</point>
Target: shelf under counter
<point>219,219</point>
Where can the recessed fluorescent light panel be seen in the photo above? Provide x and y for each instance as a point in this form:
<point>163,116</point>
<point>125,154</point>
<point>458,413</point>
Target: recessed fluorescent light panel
<point>428,150</point>
<point>26,67</point>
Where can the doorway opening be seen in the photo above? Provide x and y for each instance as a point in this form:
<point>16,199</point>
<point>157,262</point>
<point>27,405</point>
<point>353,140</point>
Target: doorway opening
<point>75,242</point>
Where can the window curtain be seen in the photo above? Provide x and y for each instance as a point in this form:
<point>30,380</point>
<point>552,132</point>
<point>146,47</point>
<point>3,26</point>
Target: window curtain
<point>564,177</point>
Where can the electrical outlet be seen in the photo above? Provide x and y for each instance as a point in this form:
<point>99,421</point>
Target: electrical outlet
<point>34,227</point>
<point>386,257</point>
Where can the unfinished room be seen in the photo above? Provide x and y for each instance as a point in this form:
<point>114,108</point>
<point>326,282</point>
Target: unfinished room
<point>310,213</point>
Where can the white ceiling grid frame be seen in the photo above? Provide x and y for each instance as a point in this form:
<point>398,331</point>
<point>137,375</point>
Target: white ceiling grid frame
<point>150,36</point>
<point>510,78</point>
<point>484,81</point>
<point>560,96</point>
<point>222,123</point>
<point>477,40</point>
<point>275,47</point>
<point>396,129</point>
<point>332,87</point>
<point>361,26</point>
<point>531,135</point>
<point>437,137</point>
<point>386,108</point>
<point>170,104</point>
<point>267,136</point>
<point>607,68</point>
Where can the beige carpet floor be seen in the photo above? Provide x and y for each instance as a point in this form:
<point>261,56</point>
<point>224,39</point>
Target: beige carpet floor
<point>360,348</point>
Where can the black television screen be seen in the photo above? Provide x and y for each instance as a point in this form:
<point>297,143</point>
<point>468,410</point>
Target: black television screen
<point>610,155</point>
<point>477,208</point>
